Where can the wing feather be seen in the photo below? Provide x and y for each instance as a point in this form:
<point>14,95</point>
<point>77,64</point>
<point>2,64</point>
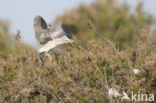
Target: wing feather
<point>41,30</point>
<point>56,30</point>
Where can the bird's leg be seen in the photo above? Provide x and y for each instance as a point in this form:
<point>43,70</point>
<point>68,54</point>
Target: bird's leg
<point>49,56</point>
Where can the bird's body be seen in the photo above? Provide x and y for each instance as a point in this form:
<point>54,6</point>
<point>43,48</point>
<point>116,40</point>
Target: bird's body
<point>49,37</point>
<point>53,43</point>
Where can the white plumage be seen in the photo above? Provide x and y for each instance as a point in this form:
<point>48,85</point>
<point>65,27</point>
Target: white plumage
<point>49,37</point>
<point>53,43</point>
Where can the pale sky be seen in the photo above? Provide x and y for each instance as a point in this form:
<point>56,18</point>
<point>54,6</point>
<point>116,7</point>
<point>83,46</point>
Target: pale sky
<point>22,12</point>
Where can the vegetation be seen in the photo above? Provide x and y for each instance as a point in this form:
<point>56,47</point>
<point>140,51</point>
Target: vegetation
<point>113,20</point>
<point>82,72</point>
<point>5,39</point>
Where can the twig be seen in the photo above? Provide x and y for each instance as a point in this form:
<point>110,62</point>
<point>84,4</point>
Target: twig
<point>106,40</point>
<point>117,32</point>
<point>96,66</point>
<point>113,76</point>
<point>106,81</point>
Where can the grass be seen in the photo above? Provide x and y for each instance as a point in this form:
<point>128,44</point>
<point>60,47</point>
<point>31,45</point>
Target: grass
<point>81,73</point>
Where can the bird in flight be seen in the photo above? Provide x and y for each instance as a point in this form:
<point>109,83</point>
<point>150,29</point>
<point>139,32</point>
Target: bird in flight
<point>49,37</point>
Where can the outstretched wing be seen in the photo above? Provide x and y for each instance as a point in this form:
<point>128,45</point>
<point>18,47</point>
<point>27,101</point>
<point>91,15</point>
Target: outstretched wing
<point>56,30</point>
<point>41,30</point>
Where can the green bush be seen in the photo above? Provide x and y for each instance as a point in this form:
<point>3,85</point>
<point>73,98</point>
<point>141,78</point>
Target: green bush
<point>83,72</point>
<point>113,20</point>
<point>5,39</point>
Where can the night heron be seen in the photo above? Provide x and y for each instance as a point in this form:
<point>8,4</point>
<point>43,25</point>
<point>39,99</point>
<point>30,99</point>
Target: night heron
<point>49,37</point>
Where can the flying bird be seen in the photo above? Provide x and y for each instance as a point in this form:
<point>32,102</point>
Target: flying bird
<point>49,37</point>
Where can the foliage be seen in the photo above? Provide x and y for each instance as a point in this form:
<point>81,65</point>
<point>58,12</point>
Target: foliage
<point>5,39</point>
<point>113,20</point>
<point>82,72</point>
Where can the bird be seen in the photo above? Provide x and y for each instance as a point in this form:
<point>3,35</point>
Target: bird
<point>49,36</point>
